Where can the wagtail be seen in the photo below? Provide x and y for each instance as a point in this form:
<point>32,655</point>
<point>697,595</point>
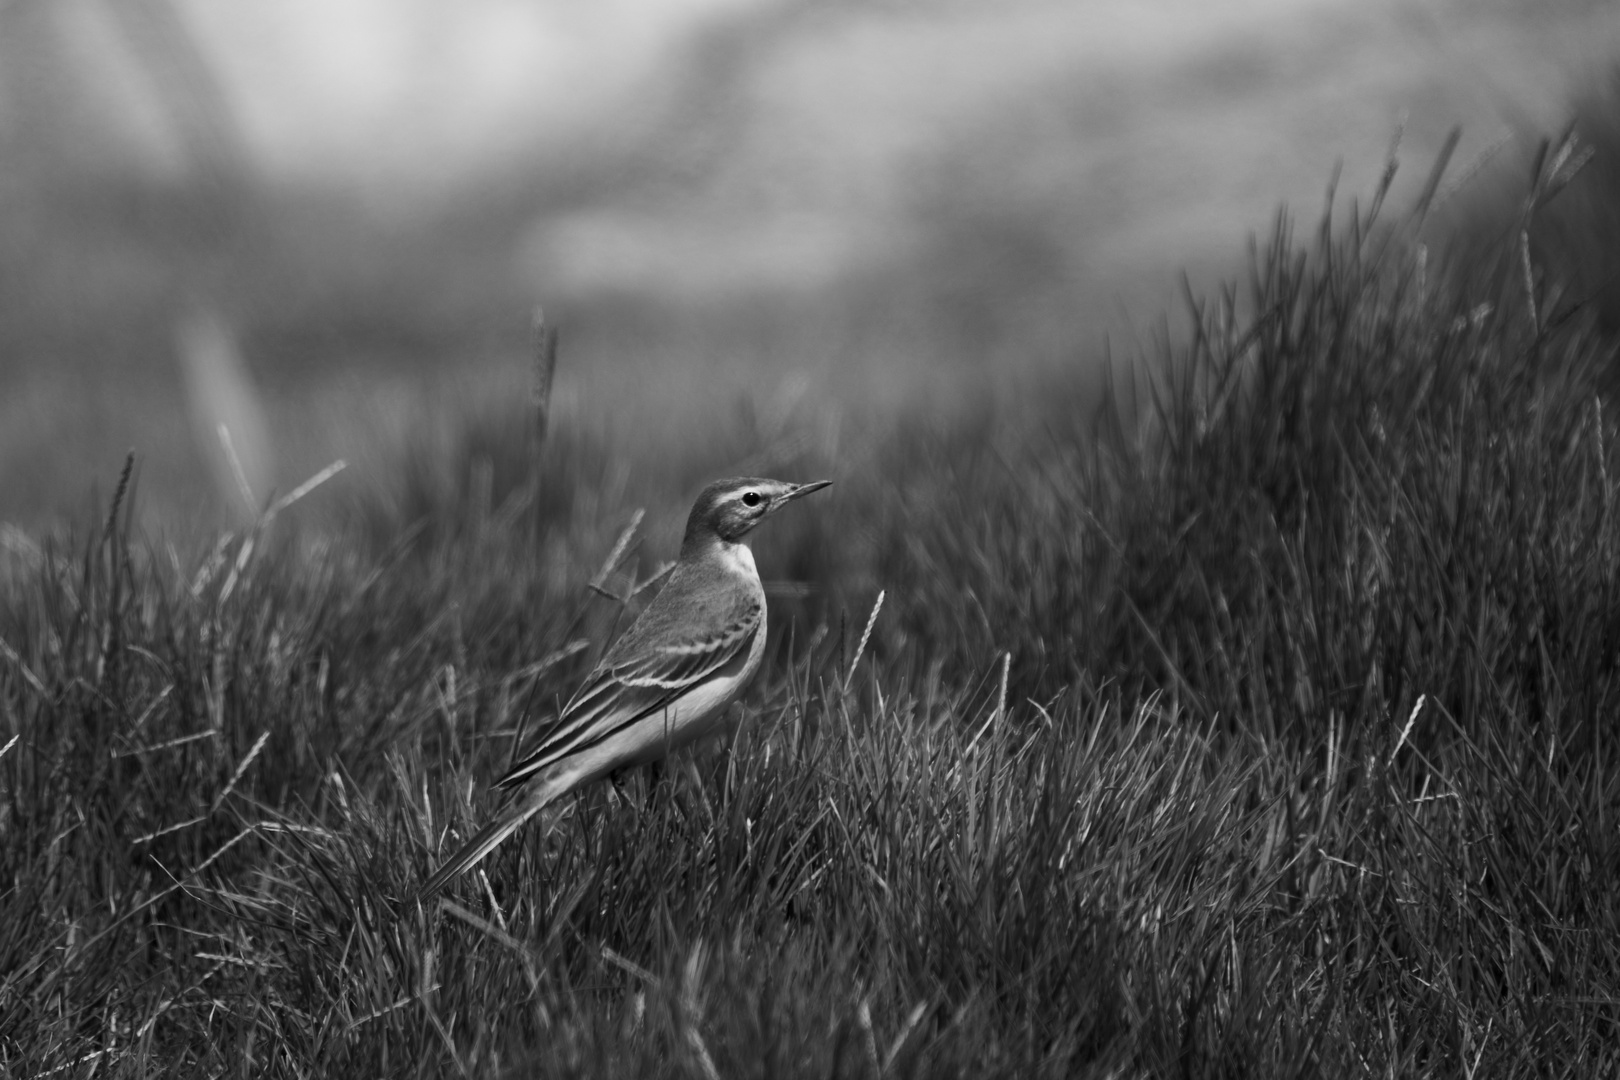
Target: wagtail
<point>667,681</point>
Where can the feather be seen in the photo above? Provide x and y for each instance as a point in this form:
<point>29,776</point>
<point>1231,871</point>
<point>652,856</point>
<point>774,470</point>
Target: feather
<point>634,688</point>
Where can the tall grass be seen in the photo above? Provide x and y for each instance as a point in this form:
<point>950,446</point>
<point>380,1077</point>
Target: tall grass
<point>1258,731</point>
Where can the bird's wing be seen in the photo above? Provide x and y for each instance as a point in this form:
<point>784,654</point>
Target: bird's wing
<point>649,669</point>
<point>642,675</point>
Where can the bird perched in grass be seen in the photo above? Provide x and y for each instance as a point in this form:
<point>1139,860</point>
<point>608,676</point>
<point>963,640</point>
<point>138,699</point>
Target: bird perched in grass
<point>667,681</point>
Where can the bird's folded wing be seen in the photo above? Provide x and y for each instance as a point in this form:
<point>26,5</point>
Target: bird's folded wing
<point>631,687</point>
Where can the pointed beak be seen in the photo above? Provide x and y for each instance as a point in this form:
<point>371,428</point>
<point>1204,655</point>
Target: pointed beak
<point>802,490</point>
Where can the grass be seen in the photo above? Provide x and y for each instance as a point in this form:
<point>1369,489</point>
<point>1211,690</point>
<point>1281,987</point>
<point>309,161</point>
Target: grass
<point>1260,727</point>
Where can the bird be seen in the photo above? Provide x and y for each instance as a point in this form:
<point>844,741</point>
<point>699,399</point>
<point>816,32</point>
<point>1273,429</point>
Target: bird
<point>666,682</point>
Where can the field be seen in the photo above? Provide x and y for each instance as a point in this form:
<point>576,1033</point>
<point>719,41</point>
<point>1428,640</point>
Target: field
<point>1254,719</point>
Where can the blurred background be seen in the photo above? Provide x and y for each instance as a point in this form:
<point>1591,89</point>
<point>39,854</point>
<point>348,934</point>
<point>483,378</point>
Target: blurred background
<point>324,224</point>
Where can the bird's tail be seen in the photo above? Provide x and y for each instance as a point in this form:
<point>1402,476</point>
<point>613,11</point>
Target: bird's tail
<point>487,839</point>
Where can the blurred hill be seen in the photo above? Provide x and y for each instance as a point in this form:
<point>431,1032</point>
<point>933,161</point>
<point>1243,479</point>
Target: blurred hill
<point>322,224</point>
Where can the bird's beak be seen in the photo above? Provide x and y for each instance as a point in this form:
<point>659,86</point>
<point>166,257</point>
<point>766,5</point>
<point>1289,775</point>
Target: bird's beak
<point>803,489</point>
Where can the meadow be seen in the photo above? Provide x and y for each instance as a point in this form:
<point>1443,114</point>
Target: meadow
<point>1253,718</point>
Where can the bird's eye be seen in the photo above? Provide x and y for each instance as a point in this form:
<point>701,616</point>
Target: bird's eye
<point>752,498</point>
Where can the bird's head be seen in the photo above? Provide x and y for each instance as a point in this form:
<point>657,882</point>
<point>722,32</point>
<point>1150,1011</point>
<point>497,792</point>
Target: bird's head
<point>728,509</point>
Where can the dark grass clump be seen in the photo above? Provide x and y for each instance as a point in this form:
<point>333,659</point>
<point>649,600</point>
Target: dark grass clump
<point>1354,486</point>
<point>1509,224</point>
<point>1262,731</point>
